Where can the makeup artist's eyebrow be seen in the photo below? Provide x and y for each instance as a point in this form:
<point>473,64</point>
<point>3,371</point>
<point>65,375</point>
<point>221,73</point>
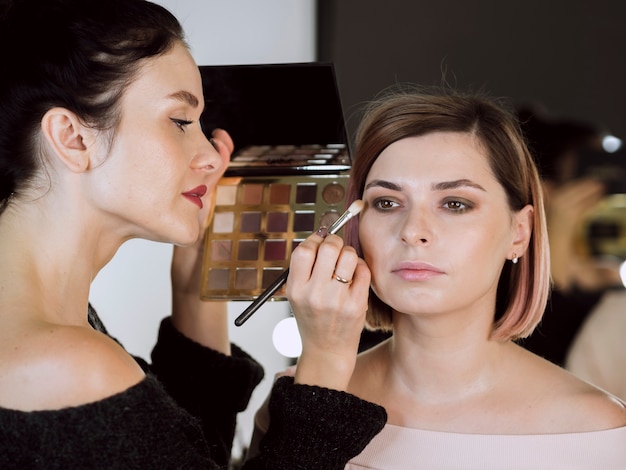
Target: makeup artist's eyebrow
<point>456,184</point>
<point>185,97</point>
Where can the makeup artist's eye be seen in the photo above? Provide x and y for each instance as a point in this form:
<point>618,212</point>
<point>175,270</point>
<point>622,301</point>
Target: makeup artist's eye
<point>383,204</point>
<point>454,205</point>
<point>181,123</point>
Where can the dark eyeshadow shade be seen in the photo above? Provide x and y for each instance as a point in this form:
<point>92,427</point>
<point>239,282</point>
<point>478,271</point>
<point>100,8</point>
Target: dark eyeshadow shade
<point>248,250</point>
<point>306,193</point>
<point>304,221</point>
<point>275,250</point>
<point>269,276</point>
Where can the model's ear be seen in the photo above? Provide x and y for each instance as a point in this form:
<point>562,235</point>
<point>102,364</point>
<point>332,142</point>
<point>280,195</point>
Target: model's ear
<point>523,229</point>
<point>67,137</point>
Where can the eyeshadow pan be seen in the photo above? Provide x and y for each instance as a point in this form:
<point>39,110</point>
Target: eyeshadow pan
<point>250,222</point>
<point>218,279</point>
<point>248,250</point>
<point>221,250</point>
<point>328,218</point>
<point>252,194</point>
<point>275,250</point>
<point>223,222</point>
<point>245,278</point>
<point>306,193</point>
<point>277,221</point>
<point>279,193</point>
<point>304,221</point>
<point>226,195</point>
<point>333,193</point>
<point>269,276</point>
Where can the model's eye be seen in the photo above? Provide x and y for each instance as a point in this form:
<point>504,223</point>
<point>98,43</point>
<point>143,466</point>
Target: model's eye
<point>455,205</point>
<point>383,204</point>
<point>181,123</point>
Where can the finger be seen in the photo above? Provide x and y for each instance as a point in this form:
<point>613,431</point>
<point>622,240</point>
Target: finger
<point>223,142</point>
<point>346,265</point>
<point>328,256</point>
<point>303,259</point>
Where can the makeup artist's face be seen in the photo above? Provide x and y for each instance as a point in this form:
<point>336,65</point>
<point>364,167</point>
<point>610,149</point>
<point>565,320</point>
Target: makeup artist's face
<point>436,229</point>
<point>158,177</point>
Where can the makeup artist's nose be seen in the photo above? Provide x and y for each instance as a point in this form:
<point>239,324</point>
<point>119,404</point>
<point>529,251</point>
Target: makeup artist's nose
<point>416,228</point>
<point>207,158</point>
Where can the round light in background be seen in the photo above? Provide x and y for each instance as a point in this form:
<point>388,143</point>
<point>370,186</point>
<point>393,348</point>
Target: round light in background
<point>622,273</point>
<point>611,144</point>
<point>286,338</point>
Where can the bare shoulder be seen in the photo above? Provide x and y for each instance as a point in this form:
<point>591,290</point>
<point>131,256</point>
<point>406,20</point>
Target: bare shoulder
<point>569,404</point>
<point>596,408</point>
<point>60,366</point>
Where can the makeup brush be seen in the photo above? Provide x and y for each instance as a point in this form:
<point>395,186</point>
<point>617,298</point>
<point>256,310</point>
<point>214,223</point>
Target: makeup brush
<point>353,210</point>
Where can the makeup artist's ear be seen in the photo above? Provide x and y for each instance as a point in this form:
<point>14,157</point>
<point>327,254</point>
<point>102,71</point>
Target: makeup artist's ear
<point>522,230</point>
<point>66,136</point>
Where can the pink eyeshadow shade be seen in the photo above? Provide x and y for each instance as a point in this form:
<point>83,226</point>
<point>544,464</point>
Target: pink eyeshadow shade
<point>221,250</point>
<point>252,194</point>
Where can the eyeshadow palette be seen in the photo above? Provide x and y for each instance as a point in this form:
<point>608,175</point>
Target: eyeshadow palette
<point>287,175</point>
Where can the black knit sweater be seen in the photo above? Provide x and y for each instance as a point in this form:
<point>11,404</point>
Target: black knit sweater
<point>183,416</point>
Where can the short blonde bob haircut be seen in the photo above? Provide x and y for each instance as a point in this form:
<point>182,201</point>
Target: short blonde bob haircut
<point>408,111</point>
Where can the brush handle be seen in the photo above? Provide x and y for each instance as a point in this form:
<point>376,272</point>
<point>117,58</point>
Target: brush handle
<point>261,299</point>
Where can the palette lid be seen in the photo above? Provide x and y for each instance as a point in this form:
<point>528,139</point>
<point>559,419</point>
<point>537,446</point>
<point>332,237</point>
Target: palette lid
<point>277,106</point>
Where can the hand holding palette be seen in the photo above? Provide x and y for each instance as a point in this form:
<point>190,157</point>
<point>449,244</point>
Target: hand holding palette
<point>287,176</point>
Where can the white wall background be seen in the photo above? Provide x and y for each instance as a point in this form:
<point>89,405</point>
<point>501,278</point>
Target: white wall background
<point>132,293</point>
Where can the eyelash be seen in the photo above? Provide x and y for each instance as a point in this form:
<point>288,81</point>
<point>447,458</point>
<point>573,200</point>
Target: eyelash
<point>453,205</point>
<point>181,123</point>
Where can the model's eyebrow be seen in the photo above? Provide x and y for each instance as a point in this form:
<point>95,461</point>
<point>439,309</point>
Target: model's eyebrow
<point>456,184</point>
<point>436,187</point>
<point>186,97</point>
<point>383,184</point>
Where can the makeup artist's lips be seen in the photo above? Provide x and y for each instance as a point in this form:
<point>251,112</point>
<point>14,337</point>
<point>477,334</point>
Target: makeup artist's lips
<point>416,271</point>
<point>195,195</point>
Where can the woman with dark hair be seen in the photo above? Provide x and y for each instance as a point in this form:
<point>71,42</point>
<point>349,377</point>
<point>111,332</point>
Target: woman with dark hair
<point>454,234</point>
<point>100,143</point>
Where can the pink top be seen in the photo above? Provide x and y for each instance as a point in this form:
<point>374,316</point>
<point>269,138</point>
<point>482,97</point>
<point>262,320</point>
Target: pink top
<point>399,448</point>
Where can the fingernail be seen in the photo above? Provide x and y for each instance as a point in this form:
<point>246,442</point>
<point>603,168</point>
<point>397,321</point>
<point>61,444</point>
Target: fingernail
<point>322,231</point>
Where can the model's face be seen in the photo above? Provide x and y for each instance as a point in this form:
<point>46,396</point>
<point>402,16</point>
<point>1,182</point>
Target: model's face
<point>436,229</point>
<point>161,170</point>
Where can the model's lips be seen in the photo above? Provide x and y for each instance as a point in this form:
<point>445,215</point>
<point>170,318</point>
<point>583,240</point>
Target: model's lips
<point>195,195</point>
<point>416,271</point>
